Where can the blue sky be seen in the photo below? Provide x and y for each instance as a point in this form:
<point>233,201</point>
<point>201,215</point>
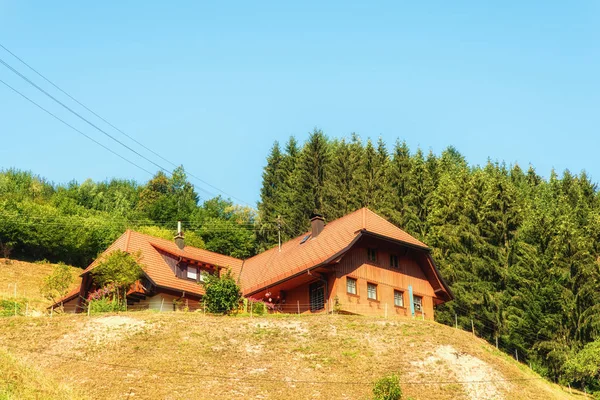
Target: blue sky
<point>213,85</point>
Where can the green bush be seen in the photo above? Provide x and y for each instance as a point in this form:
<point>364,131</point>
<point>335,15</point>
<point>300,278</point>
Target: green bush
<point>222,293</point>
<point>7,308</point>
<point>258,307</point>
<point>106,304</point>
<point>387,388</point>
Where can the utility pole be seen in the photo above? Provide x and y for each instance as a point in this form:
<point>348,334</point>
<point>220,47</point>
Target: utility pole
<point>279,231</point>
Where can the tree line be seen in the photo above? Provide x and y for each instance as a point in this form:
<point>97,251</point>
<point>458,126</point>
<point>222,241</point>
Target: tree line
<point>520,252</point>
<point>74,222</point>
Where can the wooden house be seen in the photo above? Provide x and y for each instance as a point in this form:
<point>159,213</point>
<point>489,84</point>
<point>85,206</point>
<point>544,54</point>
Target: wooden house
<point>360,264</point>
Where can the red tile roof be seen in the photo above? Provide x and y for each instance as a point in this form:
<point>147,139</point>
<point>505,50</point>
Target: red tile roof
<point>155,266</point>
<point>273,265</point>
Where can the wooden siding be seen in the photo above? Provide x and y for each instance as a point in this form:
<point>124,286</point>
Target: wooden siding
<point>299,298</point>
<point>355,264</point>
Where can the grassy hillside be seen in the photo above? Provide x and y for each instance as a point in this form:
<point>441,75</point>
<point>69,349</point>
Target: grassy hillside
<point>29,278</point>
<point>147,355</point>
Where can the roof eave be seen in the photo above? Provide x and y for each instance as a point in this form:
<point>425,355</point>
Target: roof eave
<point>417,247</point>
<point>383,237</point>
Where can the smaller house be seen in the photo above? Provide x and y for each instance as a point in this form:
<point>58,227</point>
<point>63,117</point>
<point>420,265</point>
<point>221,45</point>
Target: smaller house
<point>172,272</point>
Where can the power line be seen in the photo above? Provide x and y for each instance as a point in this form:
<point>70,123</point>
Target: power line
<point>72,127</point>
<point>81,104</point>
<point>82,117</point>
<point>114,127</point>
<point>87,136</point>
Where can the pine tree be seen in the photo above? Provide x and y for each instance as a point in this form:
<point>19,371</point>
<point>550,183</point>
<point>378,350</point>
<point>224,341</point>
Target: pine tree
<point>272,197</point>
<point>374,172</point>
<point>421,189</point>
<point>310,178</point>
<point>341,193</point>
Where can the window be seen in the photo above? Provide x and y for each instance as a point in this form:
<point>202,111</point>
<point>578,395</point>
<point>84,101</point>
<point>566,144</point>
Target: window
<point>372,255</point>
<point>418,302</point>
<point>304,239</point>
<point>192,273</point>
<point>398,298</point>
<point>351,285</point>
<point>394,261</point>
<point>372,291</point>
<point>317,296</point>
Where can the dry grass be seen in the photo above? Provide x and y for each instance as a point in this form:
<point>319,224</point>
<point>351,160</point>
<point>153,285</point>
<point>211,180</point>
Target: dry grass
<point>18,381</point>
<point>29,278</point>
<point>148,355</point>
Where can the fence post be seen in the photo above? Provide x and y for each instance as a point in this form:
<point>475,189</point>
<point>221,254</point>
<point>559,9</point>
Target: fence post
<point>15,307</point>
<point>298,302</point>
<point>251,310</point>
<point>472,327</point>
<point>89,310</point>
<point>204,307</point>
<point>455,321</point>
<point>517,355</point>
<point>162,303</point>
<point>496,341</point>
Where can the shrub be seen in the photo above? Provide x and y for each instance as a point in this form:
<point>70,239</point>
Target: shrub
<point>258,307</point>
<point>7,308</point>
<point>387,388</point>
<point>106,304</point>
<point>222,293</point>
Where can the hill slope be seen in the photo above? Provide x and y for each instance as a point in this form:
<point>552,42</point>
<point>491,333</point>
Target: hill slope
<point>29,278</point>
<point>147,355</point>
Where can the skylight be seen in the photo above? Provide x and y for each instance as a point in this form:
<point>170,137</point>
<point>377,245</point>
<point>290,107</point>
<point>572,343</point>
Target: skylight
<point>305,238</point>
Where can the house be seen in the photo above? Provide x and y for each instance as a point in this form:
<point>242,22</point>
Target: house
<point>359,264</point>
<point>172,273</point>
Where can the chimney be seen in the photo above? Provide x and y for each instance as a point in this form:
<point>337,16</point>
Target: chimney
<point>179,239</point>
<point>318,223</point>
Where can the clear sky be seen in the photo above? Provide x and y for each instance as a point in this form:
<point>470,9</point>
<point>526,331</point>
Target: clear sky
<point>213,85</point>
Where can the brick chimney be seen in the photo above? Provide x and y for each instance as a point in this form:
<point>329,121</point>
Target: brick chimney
<point>318,223</point>
<point>179,239</point>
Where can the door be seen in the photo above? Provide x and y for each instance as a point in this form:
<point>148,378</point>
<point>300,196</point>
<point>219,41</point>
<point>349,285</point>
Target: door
<point>317,296</point>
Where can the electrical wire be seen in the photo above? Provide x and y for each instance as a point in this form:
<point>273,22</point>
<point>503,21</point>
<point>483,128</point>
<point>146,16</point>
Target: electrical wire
<point>110,124</point>
<point>75,129</point>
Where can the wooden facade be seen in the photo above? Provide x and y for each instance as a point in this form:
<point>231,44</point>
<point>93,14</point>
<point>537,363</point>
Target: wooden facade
<point>382,275</point>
